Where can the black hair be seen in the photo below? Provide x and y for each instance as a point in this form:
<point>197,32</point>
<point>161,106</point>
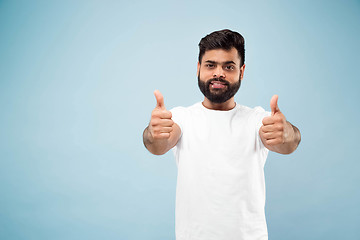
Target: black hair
<point>223,39</point>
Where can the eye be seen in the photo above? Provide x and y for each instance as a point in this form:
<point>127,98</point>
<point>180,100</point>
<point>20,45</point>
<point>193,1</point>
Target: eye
<point>210,65</point>
<point>229,67</point>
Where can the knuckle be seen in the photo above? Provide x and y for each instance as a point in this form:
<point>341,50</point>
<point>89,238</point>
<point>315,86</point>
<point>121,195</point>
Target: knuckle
<point>154,122</point>
<point>161,135</point>
<point>261,129</point>
<point>164,114</point>
<point>155,130</point>
<point>164,135</point>
<point>265,129</point>
<point>265,120</point>
<point>154,113</point>
<point>157,136</point>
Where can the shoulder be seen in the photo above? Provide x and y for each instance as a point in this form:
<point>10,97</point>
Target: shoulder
<point>181,115</point>
<point>259,110</point>
<point>184,110</point>
<point>250,111</point>
<point>252,115</point>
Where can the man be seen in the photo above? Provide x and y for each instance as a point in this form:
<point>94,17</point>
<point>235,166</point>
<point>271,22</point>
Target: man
<point>220,148</point>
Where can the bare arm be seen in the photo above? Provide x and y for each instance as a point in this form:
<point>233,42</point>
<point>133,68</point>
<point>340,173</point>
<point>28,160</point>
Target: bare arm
<point>162,134</point>
<point>277,134</point>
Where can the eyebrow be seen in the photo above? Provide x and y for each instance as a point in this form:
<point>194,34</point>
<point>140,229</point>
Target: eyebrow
<point>214,62</point>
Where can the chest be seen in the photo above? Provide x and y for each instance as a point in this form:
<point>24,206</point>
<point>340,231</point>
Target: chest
<point>220,134</point>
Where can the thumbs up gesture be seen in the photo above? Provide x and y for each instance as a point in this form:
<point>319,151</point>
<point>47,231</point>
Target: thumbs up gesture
<point>161,124</point>
<point>275,129</point>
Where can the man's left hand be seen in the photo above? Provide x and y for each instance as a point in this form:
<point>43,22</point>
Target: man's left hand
<point>276,133</point>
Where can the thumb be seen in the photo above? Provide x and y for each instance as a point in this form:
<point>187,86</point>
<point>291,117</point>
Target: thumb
<point>273,104</point>
<point>159,99</point>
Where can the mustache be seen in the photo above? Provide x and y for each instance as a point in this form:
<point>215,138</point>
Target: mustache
<point>218,80</point>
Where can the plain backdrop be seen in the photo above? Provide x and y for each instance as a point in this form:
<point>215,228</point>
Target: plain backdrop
<point>76,91</point>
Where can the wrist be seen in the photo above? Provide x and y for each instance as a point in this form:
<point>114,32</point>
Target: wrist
<point>147,136</point>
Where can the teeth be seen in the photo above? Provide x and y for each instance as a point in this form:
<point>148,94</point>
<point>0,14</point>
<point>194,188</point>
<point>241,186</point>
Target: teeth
<point>218,85</point>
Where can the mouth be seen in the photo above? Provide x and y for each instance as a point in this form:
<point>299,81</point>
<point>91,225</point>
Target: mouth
<point>217,84</point>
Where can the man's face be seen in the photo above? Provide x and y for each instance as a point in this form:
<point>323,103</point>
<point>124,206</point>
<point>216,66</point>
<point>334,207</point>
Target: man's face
<point>220,74</point>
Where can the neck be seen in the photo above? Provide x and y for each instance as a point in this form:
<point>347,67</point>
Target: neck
<point>225,106</point>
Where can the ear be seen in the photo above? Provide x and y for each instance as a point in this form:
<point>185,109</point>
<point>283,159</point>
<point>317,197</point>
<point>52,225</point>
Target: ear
<point>198,69</point>
<point>242,70</point>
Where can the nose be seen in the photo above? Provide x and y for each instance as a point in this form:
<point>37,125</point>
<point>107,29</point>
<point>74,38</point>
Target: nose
<point>219,72</point>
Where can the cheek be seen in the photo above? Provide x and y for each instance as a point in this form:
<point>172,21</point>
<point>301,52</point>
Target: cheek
<point>204,74</point>
<point>234,77</point>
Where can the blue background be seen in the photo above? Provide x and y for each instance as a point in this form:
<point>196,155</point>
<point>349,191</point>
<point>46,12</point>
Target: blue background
<point>76,91</point>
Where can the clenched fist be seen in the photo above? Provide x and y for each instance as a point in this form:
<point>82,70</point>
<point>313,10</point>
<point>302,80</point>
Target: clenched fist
<point>160,125</point>
<point>275,130</point>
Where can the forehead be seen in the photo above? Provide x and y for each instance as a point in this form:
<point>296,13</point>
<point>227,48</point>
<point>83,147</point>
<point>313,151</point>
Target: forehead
<point>222,55</point>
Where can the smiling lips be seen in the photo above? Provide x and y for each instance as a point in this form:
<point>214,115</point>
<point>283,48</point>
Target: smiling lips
<point>218,84</point>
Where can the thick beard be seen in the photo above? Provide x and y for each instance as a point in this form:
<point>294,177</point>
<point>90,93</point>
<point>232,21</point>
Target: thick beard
<point>218,95</point>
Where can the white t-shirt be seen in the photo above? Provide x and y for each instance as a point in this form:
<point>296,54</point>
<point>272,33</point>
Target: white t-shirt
<point>220,157</point>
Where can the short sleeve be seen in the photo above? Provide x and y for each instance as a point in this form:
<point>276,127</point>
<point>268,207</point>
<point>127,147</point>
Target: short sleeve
<point>259,115</point>
<point>178,116</point>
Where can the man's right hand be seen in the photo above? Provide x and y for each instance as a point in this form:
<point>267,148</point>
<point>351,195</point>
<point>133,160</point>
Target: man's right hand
<point>160,125</point>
